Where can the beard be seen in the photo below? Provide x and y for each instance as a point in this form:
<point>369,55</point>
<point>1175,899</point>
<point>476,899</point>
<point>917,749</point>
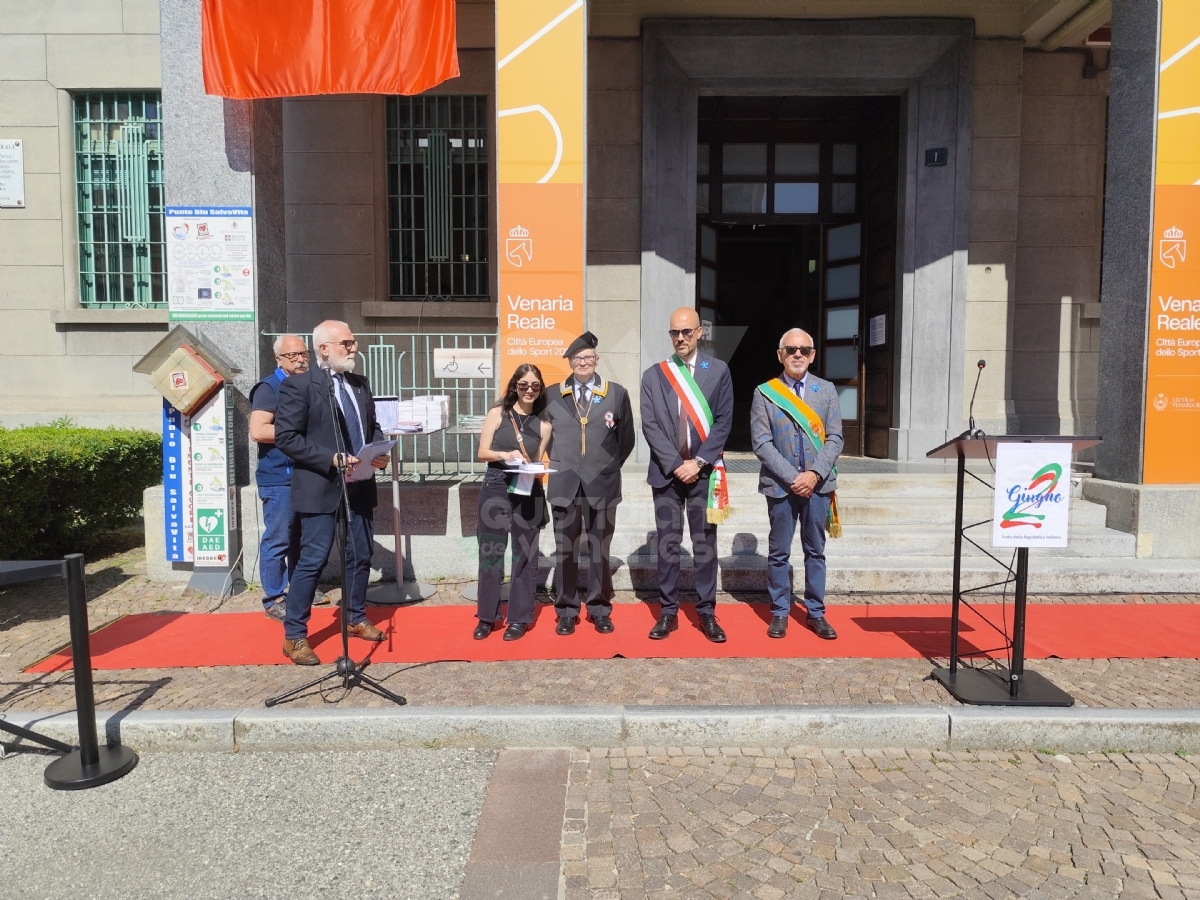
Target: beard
<point>342,366</point>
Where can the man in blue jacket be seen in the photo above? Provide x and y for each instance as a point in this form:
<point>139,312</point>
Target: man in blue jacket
<point>796,432</point>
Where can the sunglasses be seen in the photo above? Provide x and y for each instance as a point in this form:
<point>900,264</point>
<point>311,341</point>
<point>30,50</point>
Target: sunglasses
<point>526,386</point>
<point>803,351</point>
<point>684,333</point>
<point>293,357</point>
<point>348,345</point>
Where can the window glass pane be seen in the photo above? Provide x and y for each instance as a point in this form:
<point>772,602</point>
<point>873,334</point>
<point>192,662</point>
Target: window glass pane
<point>796,197</point>
<point>708,284</point>
<point>843,242</point>
<point>702,199</point>
<point>841,324</point>
<point>849,402</point>
<point>841,362</point>
<point>841,283</point>
<point>743,198</point>
<point>708,243</point>
<point>797,159</point>
<point>702,159</point>
<point>845,159</point>
<point>744,159</point>
<point>843,198</point>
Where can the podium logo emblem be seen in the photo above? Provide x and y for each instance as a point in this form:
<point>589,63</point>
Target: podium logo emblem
<point>518,247</point>
<point>1041,490</point>
<point>1172,249</point>
<point>1160,401</point>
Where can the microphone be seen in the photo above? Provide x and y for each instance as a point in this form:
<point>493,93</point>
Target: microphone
<point>971,430</point>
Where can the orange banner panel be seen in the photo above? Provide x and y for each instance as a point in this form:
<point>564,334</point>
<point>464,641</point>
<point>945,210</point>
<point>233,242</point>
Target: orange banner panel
<point>254,49</point>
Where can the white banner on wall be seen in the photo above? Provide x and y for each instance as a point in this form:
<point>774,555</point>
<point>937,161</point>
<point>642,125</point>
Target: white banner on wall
<point>212,481</point>
<point>1033,495</point>
<point>12,175</point>
<point>210,263</point>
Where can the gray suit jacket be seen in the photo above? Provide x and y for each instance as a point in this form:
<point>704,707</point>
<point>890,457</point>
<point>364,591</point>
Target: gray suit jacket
<point>660,418</point>
<point>778,441</point>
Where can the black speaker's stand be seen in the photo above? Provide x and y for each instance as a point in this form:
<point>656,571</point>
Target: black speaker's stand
<point>345,668</point>
<point>995,685</point>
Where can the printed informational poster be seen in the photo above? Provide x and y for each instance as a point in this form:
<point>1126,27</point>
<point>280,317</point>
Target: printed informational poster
<point>1173,340</point>
<point>1032,503</point>
<point>541,56</point>
<point>177,480</point>
<point>212,480</point>
<point>12,175</point>
<point>210,264</point>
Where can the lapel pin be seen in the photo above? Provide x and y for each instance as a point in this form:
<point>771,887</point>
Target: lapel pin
<point>704,363</point>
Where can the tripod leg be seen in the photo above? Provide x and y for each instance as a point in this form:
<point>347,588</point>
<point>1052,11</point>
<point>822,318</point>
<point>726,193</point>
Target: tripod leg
<point>288,695</point>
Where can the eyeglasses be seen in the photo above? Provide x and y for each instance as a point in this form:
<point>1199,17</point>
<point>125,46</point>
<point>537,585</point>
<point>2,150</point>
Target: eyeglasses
<point>803,351</point>
<point>684,333</point>
<point>585,360</point>
<point>348,345</point>
<point>526,387</point>
<point>293,357</point>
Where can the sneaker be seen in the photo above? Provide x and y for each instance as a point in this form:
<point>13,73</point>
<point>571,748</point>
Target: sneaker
<point>277,611</point>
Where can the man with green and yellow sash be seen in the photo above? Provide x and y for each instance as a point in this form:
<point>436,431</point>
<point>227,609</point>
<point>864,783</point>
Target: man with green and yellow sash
<point>796,431</point>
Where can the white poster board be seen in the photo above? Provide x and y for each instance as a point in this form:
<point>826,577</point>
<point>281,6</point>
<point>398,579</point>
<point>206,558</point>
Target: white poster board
<point>463,362</point>
<point>1033,495</point>
<point>12,175</point>
<point>212,482</point>
<point>210,264</point>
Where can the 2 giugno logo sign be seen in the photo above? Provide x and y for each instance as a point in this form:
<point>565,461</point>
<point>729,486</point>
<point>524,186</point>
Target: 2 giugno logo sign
<point>1027,501</point>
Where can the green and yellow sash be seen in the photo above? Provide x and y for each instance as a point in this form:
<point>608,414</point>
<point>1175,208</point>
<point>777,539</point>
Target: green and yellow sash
<point>810,423</point>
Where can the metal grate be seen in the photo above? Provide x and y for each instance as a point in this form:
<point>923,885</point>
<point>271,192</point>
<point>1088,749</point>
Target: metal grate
<point>438,198</point>
<point>119,179</point>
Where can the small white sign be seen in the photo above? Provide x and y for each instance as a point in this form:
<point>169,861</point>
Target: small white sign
<point>212,477</point>
<point>12,175</point>
<point>460,362</point>
<point>1032,503</point>
<point>878,330</point>
<point>210,264</point>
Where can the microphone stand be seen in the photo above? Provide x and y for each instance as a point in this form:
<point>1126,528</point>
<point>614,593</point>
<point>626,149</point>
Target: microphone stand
<point>972,431</point>
<point>345,668</point>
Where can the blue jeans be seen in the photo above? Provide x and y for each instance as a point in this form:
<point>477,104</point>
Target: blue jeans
<point>812,513</point>
<point>317,532</point>
<point>280,544</point>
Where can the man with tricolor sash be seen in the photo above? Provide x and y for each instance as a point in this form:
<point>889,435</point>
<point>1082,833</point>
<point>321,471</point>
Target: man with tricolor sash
<point>796,431</point>
<point>687,413</point>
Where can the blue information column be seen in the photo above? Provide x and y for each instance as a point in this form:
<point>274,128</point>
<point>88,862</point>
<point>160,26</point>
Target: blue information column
<point>177,507</point>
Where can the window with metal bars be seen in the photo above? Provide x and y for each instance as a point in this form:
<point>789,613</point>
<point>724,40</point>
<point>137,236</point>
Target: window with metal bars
<point>437,152</point>
<point>119,178</point>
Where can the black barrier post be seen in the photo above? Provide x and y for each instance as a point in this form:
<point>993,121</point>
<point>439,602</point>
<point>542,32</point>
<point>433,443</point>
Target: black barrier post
<point>91,765</point>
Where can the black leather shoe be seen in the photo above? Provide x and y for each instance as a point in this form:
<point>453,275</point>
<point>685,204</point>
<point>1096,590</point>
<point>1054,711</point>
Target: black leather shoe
<point>712,631</point>
<point>515,631</point>
<point>482,630</point>
<point>603,624</point>
<point>665,625</point>
<point>566,625</point>
<point>778,626</point>
<point>820,628</point>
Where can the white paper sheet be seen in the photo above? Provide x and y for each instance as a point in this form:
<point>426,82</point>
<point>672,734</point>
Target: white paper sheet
<point>364,471</point>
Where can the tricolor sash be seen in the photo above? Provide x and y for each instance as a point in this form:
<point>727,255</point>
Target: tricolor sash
<point>810,423</point>
<point>684,385</point>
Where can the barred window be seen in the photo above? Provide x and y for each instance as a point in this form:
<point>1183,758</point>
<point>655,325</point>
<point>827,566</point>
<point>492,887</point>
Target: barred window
<point>119,179</point>
<point>437,152</point>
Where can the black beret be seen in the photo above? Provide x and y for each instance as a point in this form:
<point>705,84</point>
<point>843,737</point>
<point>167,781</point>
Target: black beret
<point>586,341</point>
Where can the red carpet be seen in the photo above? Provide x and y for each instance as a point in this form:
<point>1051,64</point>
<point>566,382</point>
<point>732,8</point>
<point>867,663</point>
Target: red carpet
<point>432,634</point>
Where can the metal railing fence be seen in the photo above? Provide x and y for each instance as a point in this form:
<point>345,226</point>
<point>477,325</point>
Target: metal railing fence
<point>400,364</point>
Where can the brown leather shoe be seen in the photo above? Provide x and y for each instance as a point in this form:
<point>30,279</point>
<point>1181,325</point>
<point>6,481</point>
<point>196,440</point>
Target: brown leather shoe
<point>366,631</point>
<point>300,653</point>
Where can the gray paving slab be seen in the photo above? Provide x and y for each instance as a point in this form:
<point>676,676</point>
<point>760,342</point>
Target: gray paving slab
<point>395,825</point>
<point>1075,730</point>
<point>154,731</point>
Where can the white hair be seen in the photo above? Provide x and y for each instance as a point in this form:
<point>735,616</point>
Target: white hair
<point>783,339</point>
<point>278,345</point>
<point>323,333</point>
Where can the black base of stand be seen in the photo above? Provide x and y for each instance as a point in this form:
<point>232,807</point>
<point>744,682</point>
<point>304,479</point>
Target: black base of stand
<point>69,773</point>
<point>352,676</point>
<point>399,594</point>
<point>990,687</point>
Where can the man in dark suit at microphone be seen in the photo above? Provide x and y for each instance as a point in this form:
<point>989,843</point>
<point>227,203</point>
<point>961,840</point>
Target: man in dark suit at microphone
<point>308,431</point>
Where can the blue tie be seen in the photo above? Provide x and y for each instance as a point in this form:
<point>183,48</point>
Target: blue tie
<point>350,412</point>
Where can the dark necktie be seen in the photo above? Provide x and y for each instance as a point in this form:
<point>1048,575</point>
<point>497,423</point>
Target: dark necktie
<point>798,390</point>
<point>584,397</point>
<point>350,413</point>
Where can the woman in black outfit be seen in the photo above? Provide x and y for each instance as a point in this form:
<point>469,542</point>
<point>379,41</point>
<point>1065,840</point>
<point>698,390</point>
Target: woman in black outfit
<point>514,429</point>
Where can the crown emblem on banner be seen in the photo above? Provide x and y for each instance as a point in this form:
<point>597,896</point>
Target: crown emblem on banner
<point>518,232</point>
<point>1173,234</point>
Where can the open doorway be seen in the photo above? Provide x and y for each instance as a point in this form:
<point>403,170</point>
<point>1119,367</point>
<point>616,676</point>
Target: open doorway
<point>796,227</point>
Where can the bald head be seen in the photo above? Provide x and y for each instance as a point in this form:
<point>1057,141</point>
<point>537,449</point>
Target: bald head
<point>685,332</point>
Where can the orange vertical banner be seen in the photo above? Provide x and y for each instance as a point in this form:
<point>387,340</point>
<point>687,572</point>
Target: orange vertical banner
<point>1172,425</point>
<point>541,53</point>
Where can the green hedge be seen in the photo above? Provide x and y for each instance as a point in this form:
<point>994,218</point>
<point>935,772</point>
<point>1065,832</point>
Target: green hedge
<point>62,487</point>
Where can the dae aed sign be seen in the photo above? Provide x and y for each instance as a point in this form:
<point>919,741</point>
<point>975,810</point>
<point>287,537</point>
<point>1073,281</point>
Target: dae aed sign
<point>1032,502</point>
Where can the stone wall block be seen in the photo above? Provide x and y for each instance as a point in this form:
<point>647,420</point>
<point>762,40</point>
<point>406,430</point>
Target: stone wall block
<point>993,216</point>
<point>1063,119</point>
<point>61,16</point>
<point>1060,74</point>
<point>614,225</point>
<point>320,278</point>
<point>998,61</point>
<point>39,145</point>
<point>32,242</point>
<point>139,16</point>
<point>327,124</point>
<point>33,103</point>
<point>615,65</point>
<point>614,117</point>
<point>614,171</point>
<point>1046,274</point>
<point>995,164</point>
<point>1061,170</point>
<point>104,61</point>
<point>323,178</point>
<point>1058,222</point>
<point>996,111</point>
<point>334,227</point>
<point>22,57</point>
<point>43,199</point>
<point>31,287</point>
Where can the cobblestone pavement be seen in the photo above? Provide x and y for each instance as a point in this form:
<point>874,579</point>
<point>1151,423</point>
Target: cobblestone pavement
<point>730,824</point>
<point>33,625</point>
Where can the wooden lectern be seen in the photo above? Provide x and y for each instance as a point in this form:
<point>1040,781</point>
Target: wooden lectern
<point>997,685</point>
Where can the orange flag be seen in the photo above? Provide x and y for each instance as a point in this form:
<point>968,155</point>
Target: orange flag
<point>268,48</point>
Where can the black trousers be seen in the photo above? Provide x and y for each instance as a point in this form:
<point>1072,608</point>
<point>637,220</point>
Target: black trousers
<point>671,505</point>
<point>502,514</point>
<point>579,525</point>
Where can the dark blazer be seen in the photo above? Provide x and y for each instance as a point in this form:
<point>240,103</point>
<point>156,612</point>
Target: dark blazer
<point>610,440</point>
<point>660,418</point>
<point>304,430</point>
